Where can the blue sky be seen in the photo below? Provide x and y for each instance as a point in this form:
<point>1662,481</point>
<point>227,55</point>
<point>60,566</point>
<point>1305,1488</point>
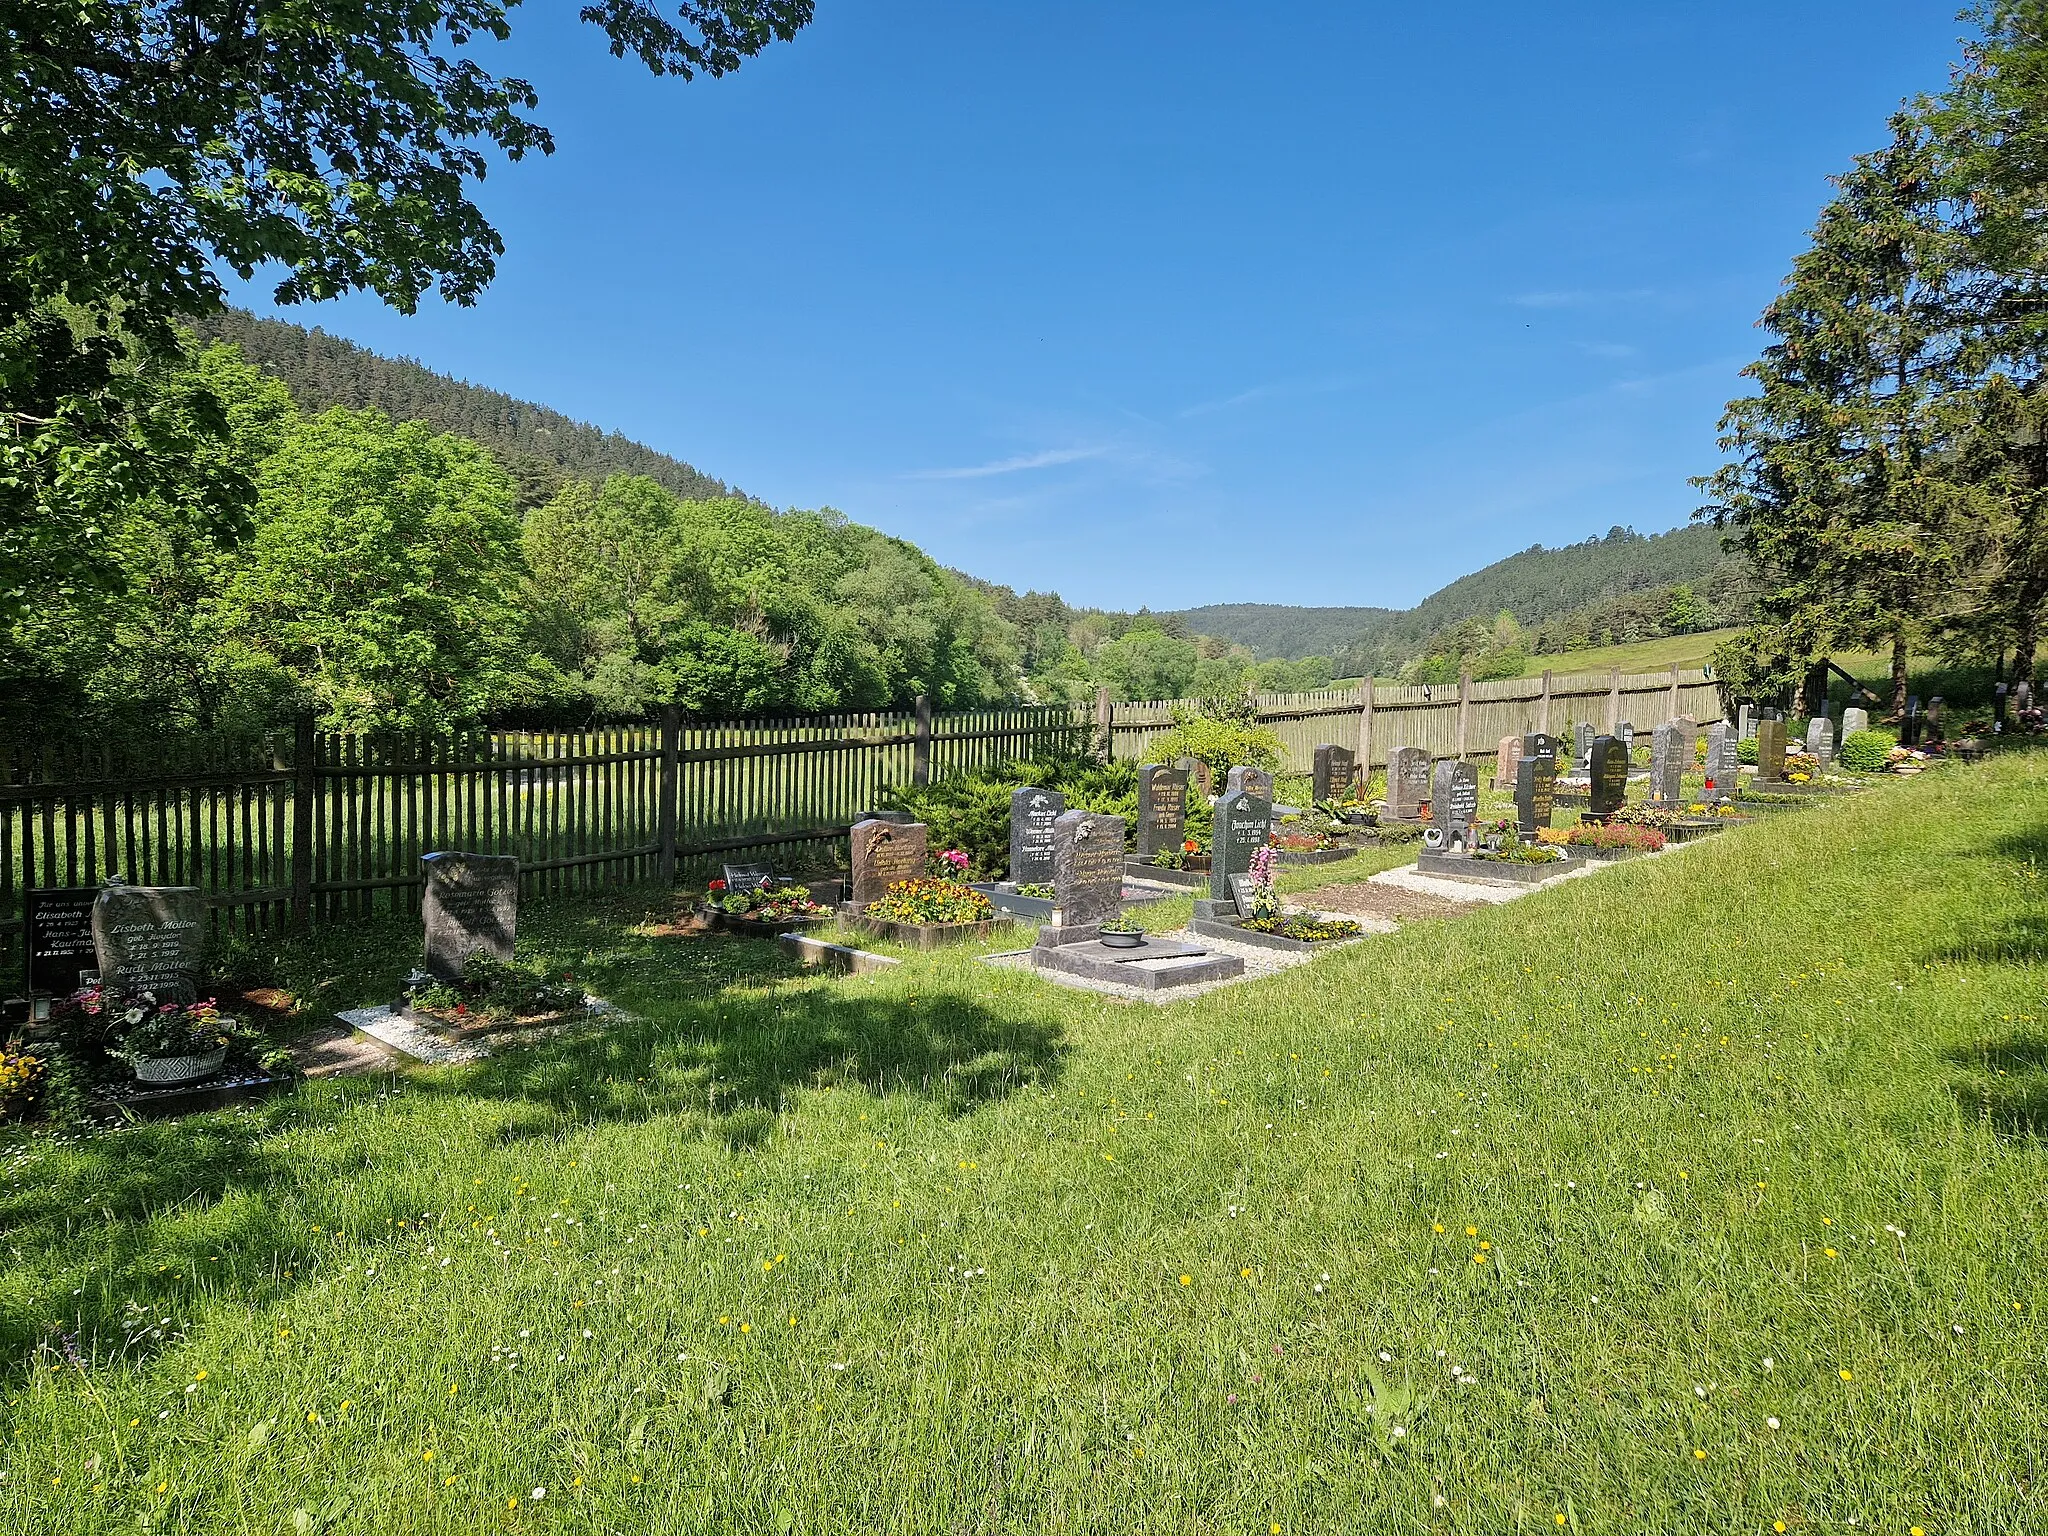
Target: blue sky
<point>1181,302</point>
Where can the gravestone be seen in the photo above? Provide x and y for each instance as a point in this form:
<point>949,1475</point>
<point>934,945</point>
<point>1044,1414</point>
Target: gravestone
<point>1505,756</point>
<point>1542,745</point>
<point>1453,802</point>
<point>884,852</point>
<point>1745,722</point>
<point>1625,733</point>
<point>1248,781</point>
<point>1770,750</point>
<point>2023,695</point>
<point>1407,783</point>
<point>1535,793</point>
<point>1998,701</point>
<point>471,903</point>
<point>150,938</point>
<point>1087,867</point>
<point>1242,894</point>
<point>1607,778</point>
<point>1670,756</point>
<point>1910,722</point>
<point>1199,773</point>
<point>1934,727</point>
<point>1723,763</point>
<point>1243,823</point>
<point>1336,770</point>
<point>1820,740</point>
<point>57,927</point>
<point>1032,812</point>
<point>1854,720</point>
<point>1162,809</point>
<point>748,877</point>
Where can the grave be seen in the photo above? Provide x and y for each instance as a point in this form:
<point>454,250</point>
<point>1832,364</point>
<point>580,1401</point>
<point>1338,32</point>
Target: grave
<point>1855,719</point>
<point>1248,781</point>
<point>1911,722</point>
<point>883,852</point>
<point>1724,769</point>
<point>1453,802</point>
<point>1820,741</point>
<point>1162,809</point>
<point>1535,793</point>
<point>150,938</point>
<point>1607,789</point>
<point>1088,872</point>
<point>57,934</point>
<point>1243,824</point>
<point>1745,722</point>
<point>1407,783</point>
<point>1770,750</point>
<point>1505,755</point>
<point>1670,757</point>
<point>1032,813</point>
<point>1582,751</point>
<point>1625,733</point>
<point>1335,774</point>
<point>1540,744</point>
<point>471,903</point>
<point>1088,882</point>
<point>747,877</point>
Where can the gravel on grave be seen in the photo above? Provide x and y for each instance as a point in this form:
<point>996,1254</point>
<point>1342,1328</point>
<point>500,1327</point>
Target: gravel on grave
<point>1258,962</point>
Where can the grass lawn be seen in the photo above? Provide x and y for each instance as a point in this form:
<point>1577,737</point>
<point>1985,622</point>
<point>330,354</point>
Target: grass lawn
<point>1637,656</point>
<point>1696,1196</point>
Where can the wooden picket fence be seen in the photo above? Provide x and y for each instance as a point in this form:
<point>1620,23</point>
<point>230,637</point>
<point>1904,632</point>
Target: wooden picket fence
<point>301,827</point>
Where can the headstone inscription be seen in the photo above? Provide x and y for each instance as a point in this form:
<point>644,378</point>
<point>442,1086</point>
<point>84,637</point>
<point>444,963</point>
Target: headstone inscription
<point>1407,783</point>
<point>1505,756</point>
<point>471,903</point>
<point>1242,894</point>
<point>1336,768</point>
<point>57,924</point>
<point>1745,722</point>
<point>1453,802</point>
<point>1770,750</point>
<point>1162,809</point>
<point>1535,793</point>
<point>1854,720</point>
<point>1820,740</point>
<point>1670,756</point>
<point>1540,744</point>
<point>1625,733</point>
<point>1582,751</point>
<point>150,938</point>
<point>1248,781</point>
<point>1607,782</point>
<point>884,852</point>
<point>1723,763</point>
<point>1087,867</point>
<point>748,877</point>
<point>1243,823</point>
<point>1032,812</point>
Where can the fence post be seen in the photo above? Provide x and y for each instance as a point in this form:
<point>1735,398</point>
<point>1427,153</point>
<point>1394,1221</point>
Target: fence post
<point>1365,726</point>
<point>921,753</point>
<point>1674,691</point>
<point>1543,707</point>
<point>1464,708</point>
<point>305,788</point>
<point>1613,699</point>
<point>1105,724</point>
<point>669,794</point>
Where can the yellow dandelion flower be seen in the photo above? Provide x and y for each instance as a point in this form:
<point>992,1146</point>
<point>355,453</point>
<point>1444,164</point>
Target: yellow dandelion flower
<point>1699,1455</point>
<point>746,1327</point>
<point>1846,1375</point>
<point>1558,1517</point>
<point>1478,1258</point>
<point>1438,1227</point>
<point>1778,1526</point>
<point>426,1455</point>
<point>1471,1231</point>
<point>1186,1280</point>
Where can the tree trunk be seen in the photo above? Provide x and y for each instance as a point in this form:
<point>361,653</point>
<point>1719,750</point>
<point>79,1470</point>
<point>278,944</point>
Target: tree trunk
<point>2024,635</point>
<point>1899,672</point>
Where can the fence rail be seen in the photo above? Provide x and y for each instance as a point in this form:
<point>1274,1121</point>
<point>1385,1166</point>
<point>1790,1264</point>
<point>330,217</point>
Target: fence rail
<point>302,826</point>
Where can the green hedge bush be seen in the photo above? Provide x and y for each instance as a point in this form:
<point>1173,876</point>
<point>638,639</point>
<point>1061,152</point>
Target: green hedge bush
<point>1866,751</point>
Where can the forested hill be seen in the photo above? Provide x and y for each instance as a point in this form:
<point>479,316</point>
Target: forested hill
<point>1273,630</point>
<point>322,370</point>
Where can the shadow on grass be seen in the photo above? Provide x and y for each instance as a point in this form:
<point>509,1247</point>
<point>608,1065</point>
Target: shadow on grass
<point>2004,1082</point>
<point>723,1033</point>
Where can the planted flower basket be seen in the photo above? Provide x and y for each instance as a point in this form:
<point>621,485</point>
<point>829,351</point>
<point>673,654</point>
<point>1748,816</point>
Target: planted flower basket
<point>172,1042</point>
<point>767,911</point>
<point>928,913</point>
<point>179,1069</point>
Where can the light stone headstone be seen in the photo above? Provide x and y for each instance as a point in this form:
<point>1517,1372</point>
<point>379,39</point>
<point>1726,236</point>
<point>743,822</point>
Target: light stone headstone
<point>884,853</point>
<point>1724,762</point>
<point>1505,756</point>
<point>1820,740</point>
<point>1607,777</point>
<point>1856,719</point>
<point>1745,722</point>
<point>1670,756</point>
<point>1336,770</point>
<point>1032,811</point>
<point>1770,750</point>
<point>151,938</point>
<point>471,903</point>
<point>1535,793</point>
<point>1625,733</point>
<point>1087,867</point>
<point>1582,751</point>
<point>1162,809</point>
<point>1453,802</point>
<point>1407,783</point>
<point>1243,824</point>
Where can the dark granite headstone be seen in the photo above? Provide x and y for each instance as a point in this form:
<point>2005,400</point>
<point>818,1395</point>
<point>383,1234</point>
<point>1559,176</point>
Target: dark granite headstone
<point>1911,723</point>
<point>1770,750</point>
<point>1540,744</point>
<point>1723,762</point>
<point>1535,793</point>
<point>1336,769</point>
<point>471,903</point>
<point>884,852</point>
<point>1670,757</point>
<point>1162,809</point>
<point>748,877</point>
<point>1032,813</point>
<point>1242,894</point>
<point>57,923</point>
<point>1248,781</point>
<point>1453,802</point>
<point>1607,783</point>
<point>1407,783</point>
<point>150,938</point>
<point>1087,867</point>
<point>1243,823</point>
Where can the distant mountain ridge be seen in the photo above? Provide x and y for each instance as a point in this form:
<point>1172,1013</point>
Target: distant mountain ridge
<point>322,371</point>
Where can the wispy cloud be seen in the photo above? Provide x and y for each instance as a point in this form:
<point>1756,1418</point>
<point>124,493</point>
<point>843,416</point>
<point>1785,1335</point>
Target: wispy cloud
<point>1287,387</point>
<point>1044,459</point>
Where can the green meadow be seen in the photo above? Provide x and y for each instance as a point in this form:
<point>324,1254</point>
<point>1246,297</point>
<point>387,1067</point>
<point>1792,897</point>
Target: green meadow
<point>1706,1194</point>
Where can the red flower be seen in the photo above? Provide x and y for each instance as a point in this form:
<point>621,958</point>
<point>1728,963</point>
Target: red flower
<point>716,885</point>
<point>462,1007</point>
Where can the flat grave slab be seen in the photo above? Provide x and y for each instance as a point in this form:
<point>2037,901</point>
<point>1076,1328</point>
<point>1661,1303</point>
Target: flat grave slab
<point>1157,965</point>
<point>390,1026</point>
<point>1125,985</point>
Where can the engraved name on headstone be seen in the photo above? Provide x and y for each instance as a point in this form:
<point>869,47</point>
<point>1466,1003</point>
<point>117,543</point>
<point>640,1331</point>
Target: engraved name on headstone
<point>1770,750</point>
<point>1088,867</point>
<point>1535,793</point>
<point>1248,781</point>
<point>884,852</point>
<point>57,924</point>
<point>471,903</point>
<point>1670,756</point>
<point>151,938</point>
<point>1857,719</point>
<point>1032,812</point>
<point>1162,809</point>
<point>1607,785</point>
<point>1336,768</point>
<point>1453,802</point>
<point>748,877</point>
<point>1407,783</point>
<point>1745,722</point>
<point>1243,823</point>
<point>1820,741</point>
<point>1723,762</point>
<point>1582,751</point>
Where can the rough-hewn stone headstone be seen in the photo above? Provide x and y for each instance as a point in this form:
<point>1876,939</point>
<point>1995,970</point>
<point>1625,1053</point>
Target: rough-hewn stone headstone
<point>1335,770</point>
<point>1453,802</point>
<point>1407,783</point>
<point>1582,751</point>
<point>1820,740</point>
<point>57,930</point>
<point>1723,762</point>
<point>1199,773</point>
<point>1032,812</point>
<point>471,903</point>
<point>151,938</point>
<point>1535,793</point>
<point>1607,778</point>
<point>1162,809</point>
<point>1855,719</point>
<point>1087,867</point>
<point>1248,781</point>
<point>884,852</point>
<point>1670,757</point>
<point>1505,755</point>
<point>1243,823</point>
<point>1770,750</point>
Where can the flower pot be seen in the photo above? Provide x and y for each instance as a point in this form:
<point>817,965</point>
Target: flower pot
<point>1123,940</point>
<point>179,1069</point>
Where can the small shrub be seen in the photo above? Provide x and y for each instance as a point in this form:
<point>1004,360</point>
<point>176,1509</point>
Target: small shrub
<point>1866,751</point>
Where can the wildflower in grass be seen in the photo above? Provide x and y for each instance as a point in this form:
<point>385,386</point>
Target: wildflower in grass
<point>1846,1374</point>
<point>1186,1280</point>
<point>1771,1423</point>
<point>1699,1455</point>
